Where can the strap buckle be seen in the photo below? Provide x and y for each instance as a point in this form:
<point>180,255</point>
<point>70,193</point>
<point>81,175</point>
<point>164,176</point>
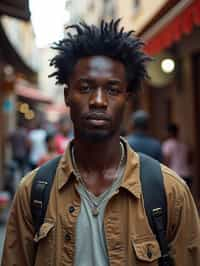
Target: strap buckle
<point>157,212</point>
<point>37,203</point>
<point>41,185</point>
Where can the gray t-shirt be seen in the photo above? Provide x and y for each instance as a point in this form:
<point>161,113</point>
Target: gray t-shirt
<point>90,237</point>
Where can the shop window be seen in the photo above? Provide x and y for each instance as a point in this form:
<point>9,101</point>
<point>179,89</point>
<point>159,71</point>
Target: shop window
<point>136,6</point>
<point>109,9</point>
<point>136,3</point>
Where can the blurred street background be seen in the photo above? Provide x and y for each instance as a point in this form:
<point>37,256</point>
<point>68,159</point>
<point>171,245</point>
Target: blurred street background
<point>34,122</point>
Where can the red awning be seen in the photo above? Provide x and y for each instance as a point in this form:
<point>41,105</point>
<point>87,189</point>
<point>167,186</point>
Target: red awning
<point>182,24</point>
<point>32,94</point>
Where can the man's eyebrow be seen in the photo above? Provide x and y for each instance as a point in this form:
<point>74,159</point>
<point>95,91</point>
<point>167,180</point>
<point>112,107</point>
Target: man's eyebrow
<point>85,79</point>
<point>114,81</point>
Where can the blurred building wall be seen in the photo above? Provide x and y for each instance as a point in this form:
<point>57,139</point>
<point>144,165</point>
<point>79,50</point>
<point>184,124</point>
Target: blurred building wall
<point>173,33</point>
<point>21,35</point>
<point>87,10</point>
<point>91,11</point>
<point>18,61</point>
<point>136,14</point>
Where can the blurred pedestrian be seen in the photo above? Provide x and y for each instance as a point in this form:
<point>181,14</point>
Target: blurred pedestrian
<point>37,144</point>
<point>177,154</point>
<point>140,140</point>
<point>63,135</point>
<point>20,149</point>
<point>51,149</point>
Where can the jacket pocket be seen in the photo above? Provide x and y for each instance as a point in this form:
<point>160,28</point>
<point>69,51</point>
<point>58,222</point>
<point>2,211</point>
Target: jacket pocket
<point>147,251</point>
<point>45,242</point>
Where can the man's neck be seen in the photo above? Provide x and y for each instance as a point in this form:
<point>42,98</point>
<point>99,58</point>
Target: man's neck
<point>99,163</point>
<point>97,156</point>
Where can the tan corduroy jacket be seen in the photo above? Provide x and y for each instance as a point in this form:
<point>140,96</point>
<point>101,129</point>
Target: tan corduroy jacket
<point>130,241</point>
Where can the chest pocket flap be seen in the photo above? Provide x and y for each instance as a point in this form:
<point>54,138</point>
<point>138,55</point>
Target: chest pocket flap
<point>44,231</point>
<point>146,250</point>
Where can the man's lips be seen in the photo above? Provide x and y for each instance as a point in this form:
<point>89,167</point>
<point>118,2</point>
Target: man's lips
<point>97,116</point>
<point>97,119</point>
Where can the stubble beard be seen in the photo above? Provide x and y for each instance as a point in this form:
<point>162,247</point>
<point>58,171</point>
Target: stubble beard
<point>96,136</point>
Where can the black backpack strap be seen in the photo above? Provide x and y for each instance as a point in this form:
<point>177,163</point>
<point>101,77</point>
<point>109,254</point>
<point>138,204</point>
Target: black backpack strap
<point>155,203</point>
<point>40,191</point>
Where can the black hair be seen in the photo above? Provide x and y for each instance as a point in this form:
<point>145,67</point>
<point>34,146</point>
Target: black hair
<point>49,136</point>
<point>107,40</point>
<point>140,120</point>
<point>64,120</point>
<point>173,129</point>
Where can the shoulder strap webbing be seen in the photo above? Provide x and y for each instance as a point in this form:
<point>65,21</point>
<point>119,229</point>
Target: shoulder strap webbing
<point>155,202</point>
<point>40,191</point>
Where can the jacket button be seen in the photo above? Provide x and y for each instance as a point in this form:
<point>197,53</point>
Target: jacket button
<point>67,236</point>
<point>71,209</point>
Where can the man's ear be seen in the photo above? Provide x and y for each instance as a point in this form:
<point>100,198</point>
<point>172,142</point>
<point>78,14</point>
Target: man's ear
<point>66,95</point>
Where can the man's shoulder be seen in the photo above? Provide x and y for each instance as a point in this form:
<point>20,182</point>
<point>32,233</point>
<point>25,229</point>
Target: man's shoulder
<point>23,191</point>
<point>143,137</point>
<point>135,139</point>
<point>27,180</point>
<point>173,183</point>
<point>153,141</point>
<point>130,137</point>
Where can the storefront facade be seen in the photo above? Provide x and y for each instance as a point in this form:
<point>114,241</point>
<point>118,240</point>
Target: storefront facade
<point>175,33</point>
<point>11,66</point>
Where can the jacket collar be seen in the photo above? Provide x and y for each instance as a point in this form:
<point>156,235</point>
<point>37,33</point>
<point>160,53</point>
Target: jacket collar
<point>131,177</point>
<point>65,167</point>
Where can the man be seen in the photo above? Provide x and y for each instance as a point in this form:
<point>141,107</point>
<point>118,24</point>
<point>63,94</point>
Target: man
<point>177,154</point>
<point>19,147</point>
<point>140,140</point>
<point>62,137</point>
<point>37,144</point>
<point>51,149</point>
<point>95,214</point>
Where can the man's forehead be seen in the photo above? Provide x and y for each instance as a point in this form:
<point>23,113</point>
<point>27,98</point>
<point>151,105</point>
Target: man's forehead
<point>99,65</point>
<point>101,62</point>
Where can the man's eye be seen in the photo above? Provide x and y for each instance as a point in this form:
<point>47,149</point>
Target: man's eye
<point>114,90</point>
<point>84,88</point>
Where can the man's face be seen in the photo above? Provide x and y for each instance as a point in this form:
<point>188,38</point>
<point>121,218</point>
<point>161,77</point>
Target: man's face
<point>96,96</point>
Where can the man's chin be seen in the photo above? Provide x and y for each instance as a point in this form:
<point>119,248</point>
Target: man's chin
<point>96,136</point>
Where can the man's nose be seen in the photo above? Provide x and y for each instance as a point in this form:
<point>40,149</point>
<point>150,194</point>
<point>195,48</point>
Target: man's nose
<point>98,98</point>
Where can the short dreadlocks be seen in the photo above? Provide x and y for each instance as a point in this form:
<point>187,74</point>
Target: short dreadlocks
<point>107,40</point>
